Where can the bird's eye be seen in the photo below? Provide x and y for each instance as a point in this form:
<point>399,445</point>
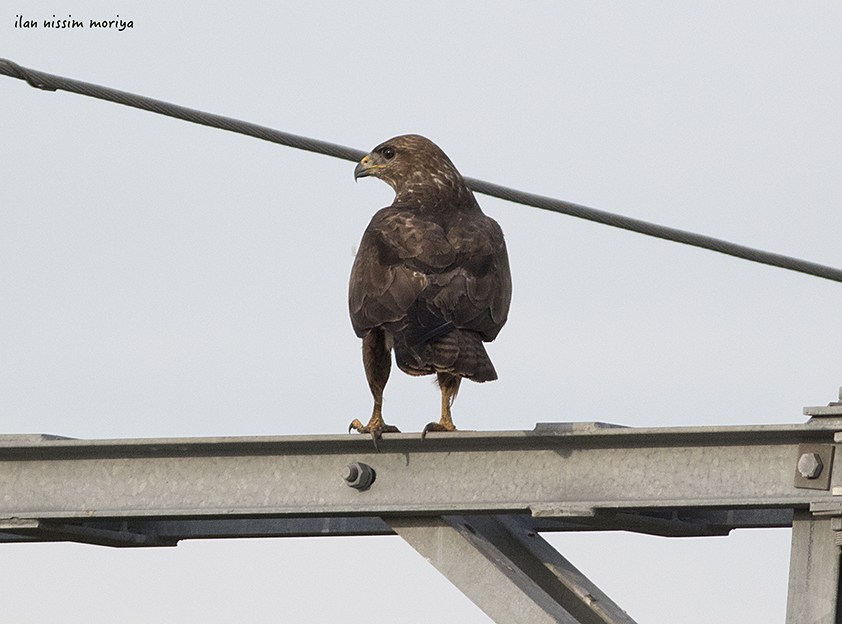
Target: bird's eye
<point>388,153</point>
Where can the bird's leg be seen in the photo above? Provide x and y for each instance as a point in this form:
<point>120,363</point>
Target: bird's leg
<point>377,361</point>
<point>449,385</point>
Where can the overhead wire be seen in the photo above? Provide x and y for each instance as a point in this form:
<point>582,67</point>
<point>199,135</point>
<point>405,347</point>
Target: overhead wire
<point>50,82</point>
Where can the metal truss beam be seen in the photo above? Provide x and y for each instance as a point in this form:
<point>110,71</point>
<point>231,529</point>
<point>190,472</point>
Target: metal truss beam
<point>472,503</point>
<point>583,472</point>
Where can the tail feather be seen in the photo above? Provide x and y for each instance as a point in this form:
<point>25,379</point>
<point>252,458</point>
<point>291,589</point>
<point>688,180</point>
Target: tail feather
<point>459,352</point>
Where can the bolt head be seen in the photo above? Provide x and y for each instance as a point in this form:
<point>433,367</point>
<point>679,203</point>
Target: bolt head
<point>810,465</point>
<point>359,476</point>
<point>351,472</point>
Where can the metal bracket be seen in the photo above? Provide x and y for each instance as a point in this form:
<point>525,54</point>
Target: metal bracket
<point>833,409</point>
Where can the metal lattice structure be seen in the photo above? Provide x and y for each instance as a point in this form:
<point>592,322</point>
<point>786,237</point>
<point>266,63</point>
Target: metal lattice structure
<point>472,503</point>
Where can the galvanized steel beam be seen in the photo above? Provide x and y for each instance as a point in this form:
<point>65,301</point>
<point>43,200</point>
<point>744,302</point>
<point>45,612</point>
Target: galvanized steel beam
<point>470,502</point>
<point>576,472</point>
<point>814,581</point>
<point>151,532</point>
<point>508,570</point>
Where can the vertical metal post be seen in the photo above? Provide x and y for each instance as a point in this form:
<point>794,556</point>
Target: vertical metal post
<point>813,571</point>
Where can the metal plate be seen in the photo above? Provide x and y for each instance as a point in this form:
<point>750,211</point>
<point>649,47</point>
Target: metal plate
<point>822,481</point>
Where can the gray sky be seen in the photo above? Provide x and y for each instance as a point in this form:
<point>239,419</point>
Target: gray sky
<point>165,279</point>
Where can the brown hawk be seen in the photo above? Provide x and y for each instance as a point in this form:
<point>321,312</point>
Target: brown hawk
<point>431,278</point>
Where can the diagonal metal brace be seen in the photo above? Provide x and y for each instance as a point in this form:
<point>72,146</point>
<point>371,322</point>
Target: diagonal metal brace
<point>508,570</point>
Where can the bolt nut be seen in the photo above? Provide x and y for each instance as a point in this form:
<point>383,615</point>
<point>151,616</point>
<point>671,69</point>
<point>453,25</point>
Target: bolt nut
<point>359,476</point>
<point>810,465</point>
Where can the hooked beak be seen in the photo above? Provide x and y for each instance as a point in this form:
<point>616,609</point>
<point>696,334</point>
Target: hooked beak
<point>367,167</point>
<point>361,170</point>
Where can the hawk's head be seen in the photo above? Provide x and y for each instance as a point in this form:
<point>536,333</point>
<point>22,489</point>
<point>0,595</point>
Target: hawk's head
<point>410,163</point>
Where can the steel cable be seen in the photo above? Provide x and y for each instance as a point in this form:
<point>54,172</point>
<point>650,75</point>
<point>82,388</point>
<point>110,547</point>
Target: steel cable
<point>49,82</point>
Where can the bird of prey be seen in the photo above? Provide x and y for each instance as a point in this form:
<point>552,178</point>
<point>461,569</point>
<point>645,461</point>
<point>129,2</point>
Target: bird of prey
<point>431,278</point>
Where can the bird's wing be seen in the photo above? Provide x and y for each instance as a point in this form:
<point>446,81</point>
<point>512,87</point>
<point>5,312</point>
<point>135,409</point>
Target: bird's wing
<point>385,282</point>
<point>411,268</point>
<point>475,294</point>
